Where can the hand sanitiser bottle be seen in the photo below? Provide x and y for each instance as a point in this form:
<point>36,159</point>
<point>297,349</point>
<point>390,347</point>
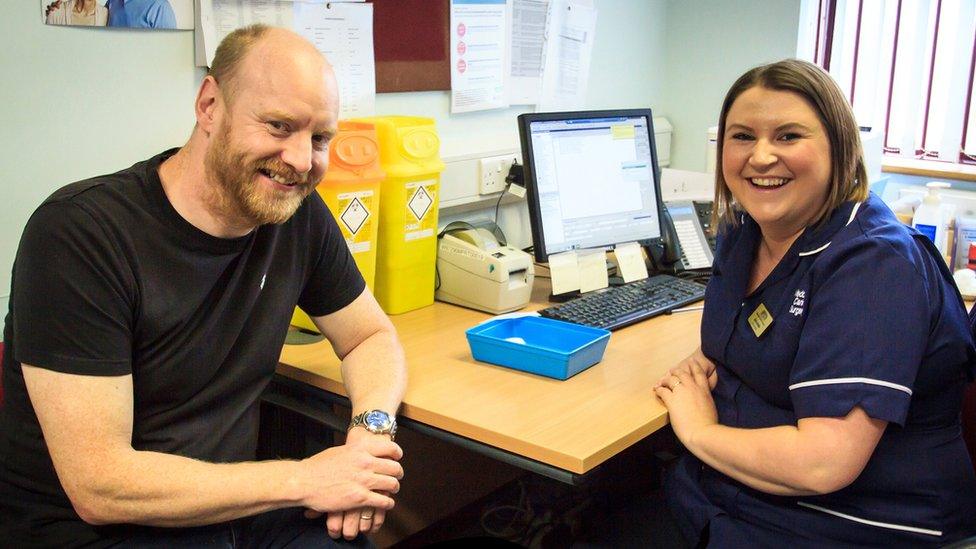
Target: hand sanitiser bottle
<point>932,217</point>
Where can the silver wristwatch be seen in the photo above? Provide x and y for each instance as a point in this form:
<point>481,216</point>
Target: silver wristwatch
<point>375,421</point>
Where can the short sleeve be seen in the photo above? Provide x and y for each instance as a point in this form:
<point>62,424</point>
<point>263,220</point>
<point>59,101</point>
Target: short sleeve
<point>865,335</point>
<point>71,295</point>
<point>334,280</point>
<point>164,18</point>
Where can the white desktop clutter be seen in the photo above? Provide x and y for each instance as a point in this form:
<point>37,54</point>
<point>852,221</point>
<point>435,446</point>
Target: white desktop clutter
<point>475,271</point>
<point>586,270</point>
<point>966,282</point>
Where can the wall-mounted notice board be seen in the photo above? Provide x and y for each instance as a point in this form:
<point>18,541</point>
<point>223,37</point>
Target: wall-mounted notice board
<point>411,43</point>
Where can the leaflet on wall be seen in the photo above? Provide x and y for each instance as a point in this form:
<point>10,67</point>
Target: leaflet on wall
<point>218,18</point>
<point>149,14</point>
<point>479,60</point>
<point>342,31</point>
<point>569,47</point>
<point>527,45</point>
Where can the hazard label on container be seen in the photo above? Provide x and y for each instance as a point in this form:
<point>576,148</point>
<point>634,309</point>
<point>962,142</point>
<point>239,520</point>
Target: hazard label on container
<point>420,202</point>
<point>354,215</point>
<point>420,222</point>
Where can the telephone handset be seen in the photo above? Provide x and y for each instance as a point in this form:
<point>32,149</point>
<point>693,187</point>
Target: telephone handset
<point>687,245</point>
<point>704,211</point>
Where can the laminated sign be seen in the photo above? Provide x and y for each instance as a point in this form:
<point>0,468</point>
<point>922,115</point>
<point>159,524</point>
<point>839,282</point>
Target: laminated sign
<point>419,223</point>
<point>356,219</point>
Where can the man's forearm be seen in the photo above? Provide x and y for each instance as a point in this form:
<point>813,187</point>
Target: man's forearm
<point>374,373</point>
<point>158,489</point>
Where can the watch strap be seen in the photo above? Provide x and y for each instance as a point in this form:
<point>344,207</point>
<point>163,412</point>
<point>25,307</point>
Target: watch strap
<point>359,420</point>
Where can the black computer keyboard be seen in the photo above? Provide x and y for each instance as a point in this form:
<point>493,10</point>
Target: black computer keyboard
<point>619,306</point>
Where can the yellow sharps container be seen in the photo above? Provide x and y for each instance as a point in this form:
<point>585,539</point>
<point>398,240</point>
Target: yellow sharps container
<point>407,243</point>
<point>351,190</point>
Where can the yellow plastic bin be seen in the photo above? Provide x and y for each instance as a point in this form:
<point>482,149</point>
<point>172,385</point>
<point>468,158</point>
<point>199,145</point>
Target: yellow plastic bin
<point>351,190</point>
<point>407,242</point>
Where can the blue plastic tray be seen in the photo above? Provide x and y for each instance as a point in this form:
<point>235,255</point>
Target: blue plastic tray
<point>538,345</point>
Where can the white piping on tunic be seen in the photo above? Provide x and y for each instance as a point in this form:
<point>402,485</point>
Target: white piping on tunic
<point>872,522</point>
<point>811,252</point>
<point>824,247</point>
<point>853,213</point>
<point>837,380</point>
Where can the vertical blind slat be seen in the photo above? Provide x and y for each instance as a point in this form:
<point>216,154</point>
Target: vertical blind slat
<point>857,45</point>
<point>891,82</point>
<point>965,154</point>
<point>928,95</point>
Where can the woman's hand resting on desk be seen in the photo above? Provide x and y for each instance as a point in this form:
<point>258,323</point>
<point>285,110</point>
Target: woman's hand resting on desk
<point>687,393</point>
<point>699,359</point>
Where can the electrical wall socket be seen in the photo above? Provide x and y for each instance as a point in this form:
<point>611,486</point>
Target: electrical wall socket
<point>492,173</point>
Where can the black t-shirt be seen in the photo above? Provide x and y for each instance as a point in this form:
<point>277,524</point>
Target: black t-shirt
<point>110,280</point>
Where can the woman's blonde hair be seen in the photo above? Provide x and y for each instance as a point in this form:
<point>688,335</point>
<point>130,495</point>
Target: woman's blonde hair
<point>848,177</point>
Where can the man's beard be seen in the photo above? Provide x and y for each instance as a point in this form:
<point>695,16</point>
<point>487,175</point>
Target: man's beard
<point>238,195</point>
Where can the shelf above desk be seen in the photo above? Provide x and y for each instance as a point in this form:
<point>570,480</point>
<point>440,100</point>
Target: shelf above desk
<point>573,425</point>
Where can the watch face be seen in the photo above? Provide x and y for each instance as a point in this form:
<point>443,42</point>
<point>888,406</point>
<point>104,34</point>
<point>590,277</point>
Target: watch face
<point>377,420</point>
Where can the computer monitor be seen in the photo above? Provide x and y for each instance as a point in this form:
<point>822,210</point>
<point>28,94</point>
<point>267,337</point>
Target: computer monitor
<point>592,179</point>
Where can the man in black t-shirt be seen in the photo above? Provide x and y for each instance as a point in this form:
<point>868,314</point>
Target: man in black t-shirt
<point>148,308</point>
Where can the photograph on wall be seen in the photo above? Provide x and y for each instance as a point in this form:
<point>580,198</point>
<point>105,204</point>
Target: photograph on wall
<point>145,14</point>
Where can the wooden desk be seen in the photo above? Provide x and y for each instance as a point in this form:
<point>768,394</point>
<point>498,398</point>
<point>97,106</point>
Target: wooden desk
<point>571,426</point>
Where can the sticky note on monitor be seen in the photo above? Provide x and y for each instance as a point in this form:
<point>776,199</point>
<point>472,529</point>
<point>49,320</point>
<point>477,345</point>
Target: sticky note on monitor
<point>593,270</point>
<point>630,261</point>
<point>564,270</point>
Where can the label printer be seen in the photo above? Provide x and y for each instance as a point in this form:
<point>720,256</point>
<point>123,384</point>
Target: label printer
<point>477,272</point>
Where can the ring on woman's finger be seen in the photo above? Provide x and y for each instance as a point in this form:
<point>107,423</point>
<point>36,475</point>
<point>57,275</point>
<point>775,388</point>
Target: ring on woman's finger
<point>676,383</point>
<point>367,514</point>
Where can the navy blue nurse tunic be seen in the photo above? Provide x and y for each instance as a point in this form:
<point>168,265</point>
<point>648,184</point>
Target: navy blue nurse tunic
<point>864,314</point>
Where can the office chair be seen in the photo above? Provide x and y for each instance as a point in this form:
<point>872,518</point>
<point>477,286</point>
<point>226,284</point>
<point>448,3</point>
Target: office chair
<point>1,374</point>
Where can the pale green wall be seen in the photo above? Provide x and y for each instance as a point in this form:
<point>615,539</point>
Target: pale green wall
<point>709,43</point>
<point>77,103</point>
<point>630,40</point>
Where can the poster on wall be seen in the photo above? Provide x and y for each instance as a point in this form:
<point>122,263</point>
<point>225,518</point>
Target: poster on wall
<point>145,14</point>
<point>528,38</point>
<point>479,55</point>
<point>341,30</point>
<point>568,50</point>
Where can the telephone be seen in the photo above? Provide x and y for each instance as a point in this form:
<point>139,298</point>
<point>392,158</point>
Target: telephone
<point>689,242</point>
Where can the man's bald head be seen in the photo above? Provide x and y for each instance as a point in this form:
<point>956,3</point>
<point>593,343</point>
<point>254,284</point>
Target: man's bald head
<point>270,45</point>
<point>265,115</point>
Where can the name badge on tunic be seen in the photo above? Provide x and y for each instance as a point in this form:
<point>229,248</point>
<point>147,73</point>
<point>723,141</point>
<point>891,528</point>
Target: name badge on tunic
<point>760,319</point>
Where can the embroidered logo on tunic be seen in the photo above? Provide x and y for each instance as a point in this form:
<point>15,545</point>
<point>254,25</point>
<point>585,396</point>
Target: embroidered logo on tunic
<point>799,299</point>
<point>263,278</point>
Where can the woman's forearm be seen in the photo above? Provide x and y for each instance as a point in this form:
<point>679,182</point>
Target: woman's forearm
<point>818,456</point>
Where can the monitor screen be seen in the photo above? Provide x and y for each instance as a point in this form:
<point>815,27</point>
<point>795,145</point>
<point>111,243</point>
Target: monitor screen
<point>592,179</point>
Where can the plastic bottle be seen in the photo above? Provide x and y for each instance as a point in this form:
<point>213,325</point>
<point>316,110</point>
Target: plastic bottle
<point>932,217</point>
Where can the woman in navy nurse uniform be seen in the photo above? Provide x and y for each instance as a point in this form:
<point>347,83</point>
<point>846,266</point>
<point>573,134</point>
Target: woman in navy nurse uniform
<point>822,408</point>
